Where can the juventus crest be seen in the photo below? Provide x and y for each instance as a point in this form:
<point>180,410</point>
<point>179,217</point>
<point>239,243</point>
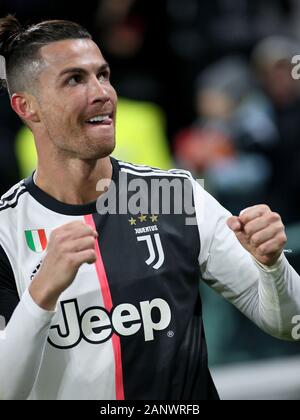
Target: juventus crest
<point>150,236</point>
<point>156,253</point>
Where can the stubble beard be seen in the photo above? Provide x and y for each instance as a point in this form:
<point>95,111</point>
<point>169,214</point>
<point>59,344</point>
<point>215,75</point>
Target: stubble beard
<point>77,144</point>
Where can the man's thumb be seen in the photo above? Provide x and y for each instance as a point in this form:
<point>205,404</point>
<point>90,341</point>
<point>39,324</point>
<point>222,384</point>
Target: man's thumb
<point>234,224</point>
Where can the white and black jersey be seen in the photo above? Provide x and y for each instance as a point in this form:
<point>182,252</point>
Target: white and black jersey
<point>130,325</point>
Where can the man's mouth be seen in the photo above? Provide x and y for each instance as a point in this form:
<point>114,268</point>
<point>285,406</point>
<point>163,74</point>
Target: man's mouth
<point>105,119</point>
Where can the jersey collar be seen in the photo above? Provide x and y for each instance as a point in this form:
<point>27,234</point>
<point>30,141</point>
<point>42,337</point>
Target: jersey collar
<point>51,203</point>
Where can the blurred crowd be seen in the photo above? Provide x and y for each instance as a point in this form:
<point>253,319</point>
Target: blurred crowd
<point>210,82</point>
<point>203,85</point>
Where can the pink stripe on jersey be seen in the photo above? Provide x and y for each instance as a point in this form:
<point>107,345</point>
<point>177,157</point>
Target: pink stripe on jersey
<point>108,306</point>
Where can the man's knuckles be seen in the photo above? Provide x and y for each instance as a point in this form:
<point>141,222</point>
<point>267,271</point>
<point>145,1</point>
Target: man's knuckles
<point>273,231</point>
<point>255,224</point>
<point>252,213</point>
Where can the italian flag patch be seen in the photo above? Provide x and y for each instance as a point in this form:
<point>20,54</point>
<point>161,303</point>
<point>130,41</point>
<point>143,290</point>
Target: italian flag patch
<point>36,239</point>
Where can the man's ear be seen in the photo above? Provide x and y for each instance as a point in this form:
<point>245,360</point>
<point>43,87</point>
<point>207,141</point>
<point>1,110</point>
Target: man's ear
<point>25,106</point>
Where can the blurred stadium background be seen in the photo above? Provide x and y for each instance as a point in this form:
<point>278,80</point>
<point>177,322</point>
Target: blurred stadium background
<point>204,85</point>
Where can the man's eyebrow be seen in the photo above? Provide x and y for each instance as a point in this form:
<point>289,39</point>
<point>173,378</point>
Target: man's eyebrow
<point>103,67</point>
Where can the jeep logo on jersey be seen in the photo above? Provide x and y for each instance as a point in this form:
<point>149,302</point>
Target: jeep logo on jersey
<point>154,255</point>
<point>96,325</point>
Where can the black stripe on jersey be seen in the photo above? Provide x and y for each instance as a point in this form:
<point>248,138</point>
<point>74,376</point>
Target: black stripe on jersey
<point>5,204</point>
<point>157,173</point>
<point>138,167</point>
<point>142,169</point>
<point>9,195</point>
<point>152,174</point>
<point>173,364</point>
<point>9,297</point>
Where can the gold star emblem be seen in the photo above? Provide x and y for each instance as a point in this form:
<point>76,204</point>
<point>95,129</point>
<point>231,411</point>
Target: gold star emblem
<point>143,218</point>
<point>132,221</point>
<point>154,218</point>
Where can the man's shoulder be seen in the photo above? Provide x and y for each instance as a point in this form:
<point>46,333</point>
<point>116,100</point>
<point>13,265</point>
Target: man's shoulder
<point>10,199</point>
<point>150,171</point>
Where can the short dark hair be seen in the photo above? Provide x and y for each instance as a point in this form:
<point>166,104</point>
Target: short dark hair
<point>20,47</point>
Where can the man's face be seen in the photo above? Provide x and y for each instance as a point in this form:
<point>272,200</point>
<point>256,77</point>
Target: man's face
<point>77,102</point>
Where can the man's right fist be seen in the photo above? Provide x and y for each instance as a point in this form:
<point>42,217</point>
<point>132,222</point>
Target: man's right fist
<point>69,247</point>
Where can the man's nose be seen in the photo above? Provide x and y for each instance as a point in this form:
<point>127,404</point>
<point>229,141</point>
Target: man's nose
<point>98,90</point>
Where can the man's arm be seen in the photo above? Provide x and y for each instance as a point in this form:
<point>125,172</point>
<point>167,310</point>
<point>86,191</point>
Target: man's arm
<point>269,296</point>
<point>22,347</point>
<point>23,343</point>
<point>23,340</point>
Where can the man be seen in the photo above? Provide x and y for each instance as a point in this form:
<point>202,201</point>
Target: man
<point>128,324</point>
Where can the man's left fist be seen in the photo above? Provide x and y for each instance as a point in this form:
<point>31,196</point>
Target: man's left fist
<point>261,232</point>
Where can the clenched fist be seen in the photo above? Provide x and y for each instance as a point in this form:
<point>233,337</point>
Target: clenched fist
<point>261,232</point>
<point>69,246</point>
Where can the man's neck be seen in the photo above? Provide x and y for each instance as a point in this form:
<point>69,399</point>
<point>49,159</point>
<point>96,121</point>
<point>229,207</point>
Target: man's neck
<point>75,182</point>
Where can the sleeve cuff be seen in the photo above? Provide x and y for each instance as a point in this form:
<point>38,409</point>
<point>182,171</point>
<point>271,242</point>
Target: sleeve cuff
<point>270,268</point>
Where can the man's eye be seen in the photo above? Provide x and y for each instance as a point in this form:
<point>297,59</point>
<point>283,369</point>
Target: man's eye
<point>74,80</point>
<point>103,76</point>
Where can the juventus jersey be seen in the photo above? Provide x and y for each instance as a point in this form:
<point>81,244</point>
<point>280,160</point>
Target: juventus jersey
<point>130,325</point>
